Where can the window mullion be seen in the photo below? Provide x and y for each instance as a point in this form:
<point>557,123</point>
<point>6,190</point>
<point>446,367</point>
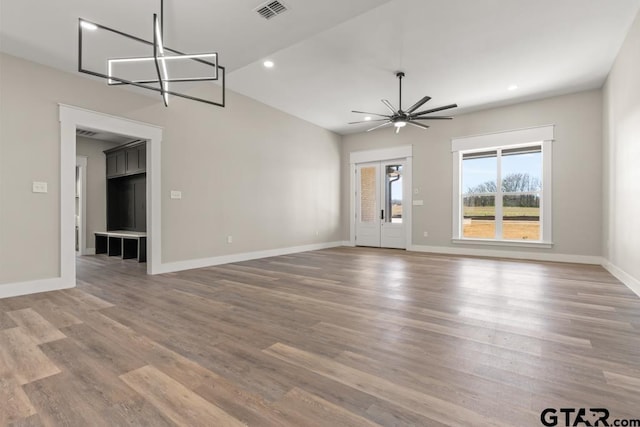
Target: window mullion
<point>498,201</point>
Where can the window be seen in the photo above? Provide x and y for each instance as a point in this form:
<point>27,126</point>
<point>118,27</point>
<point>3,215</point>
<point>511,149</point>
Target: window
<point>393,194</point>
<point>502,193</point>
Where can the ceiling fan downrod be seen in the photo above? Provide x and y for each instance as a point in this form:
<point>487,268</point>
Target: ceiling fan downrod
<point>400,75</point>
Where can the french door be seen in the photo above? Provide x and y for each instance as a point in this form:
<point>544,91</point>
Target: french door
<point>379,204</point>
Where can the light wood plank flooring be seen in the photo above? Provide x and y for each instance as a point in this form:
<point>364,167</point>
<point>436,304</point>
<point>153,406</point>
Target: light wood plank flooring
<point>338,337</point>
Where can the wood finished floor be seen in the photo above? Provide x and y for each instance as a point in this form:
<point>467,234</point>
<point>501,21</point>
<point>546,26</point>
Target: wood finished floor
<point>338,337</point>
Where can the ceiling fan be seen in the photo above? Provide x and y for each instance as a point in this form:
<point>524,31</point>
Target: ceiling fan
<point>401,118</point>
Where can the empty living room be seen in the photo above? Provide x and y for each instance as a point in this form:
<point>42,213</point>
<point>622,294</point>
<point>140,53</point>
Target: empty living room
<point>335,213</point>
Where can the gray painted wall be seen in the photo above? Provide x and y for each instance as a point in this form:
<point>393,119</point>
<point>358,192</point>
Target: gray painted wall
<point>621,243</point>
<point>267,178</point>
<point>272,180</point>
<point>577,168</point>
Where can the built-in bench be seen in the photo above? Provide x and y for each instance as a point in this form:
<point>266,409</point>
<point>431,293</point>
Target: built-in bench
<point>125,244</point>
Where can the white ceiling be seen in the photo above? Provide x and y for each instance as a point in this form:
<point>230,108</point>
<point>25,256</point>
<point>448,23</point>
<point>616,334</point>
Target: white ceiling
<point>333,56</point>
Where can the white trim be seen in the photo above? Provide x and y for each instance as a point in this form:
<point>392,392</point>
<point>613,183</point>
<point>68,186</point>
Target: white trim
<point>546,220</point>
<point>352,204</point>
<point>81,162</point>
<point>70,118</point>
<point>90,251</point>
<point>512,243</point>
<point>347,244</point>
<point>628,280</point>
<point>408,196</point>
<point>171,267</point>
<point>499,139</point>
<point>533,256</point>
<point>8,290</point>
<point>381,154</point>
<point>457,195</point>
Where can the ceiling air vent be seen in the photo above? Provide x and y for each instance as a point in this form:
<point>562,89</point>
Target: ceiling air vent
<point>87,133</point>
<point>270,9</point>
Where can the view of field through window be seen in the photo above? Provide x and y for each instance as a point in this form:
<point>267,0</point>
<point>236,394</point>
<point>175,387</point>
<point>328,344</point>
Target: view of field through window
<point>519,171</point>
<point>393,180</point>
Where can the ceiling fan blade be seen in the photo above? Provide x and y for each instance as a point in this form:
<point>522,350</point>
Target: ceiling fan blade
<point>368,121</point>
<point>431,118</point>
<point>433,110</point>
<point>419,125</point>
<point>389,106</point>
<point>418,104</point>
<point>379,126</point>
<point>373,114</point>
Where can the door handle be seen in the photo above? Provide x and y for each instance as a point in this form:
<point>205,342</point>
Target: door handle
<point>382,214</point>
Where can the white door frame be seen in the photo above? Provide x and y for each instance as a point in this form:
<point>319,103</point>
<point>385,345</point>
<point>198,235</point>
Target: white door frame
<point>81,162</point>
<point>383,154</point>
<point>70,119</point>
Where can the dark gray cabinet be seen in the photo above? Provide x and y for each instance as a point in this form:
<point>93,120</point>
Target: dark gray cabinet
<point>128,159</point>
<point>116,164</point>
<point>136,159</point>
<point>127,187</point>
<point>126,203</point>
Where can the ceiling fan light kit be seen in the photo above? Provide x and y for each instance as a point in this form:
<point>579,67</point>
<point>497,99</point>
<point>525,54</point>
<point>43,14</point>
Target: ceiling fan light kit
<point>400,118</point>
<point>160,56</point>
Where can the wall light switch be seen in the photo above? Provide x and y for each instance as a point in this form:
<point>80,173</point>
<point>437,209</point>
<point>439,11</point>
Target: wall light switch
<point>176,194</point>
<point>229,239</point>
<point>418,203</point>
<point>39,187</point>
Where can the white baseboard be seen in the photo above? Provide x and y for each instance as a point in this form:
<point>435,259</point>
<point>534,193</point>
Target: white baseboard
<point>170,267</point>
<point>32,287</point>
<point>347,243</point>
<point>630,281</point>
<point>535,256</point>
<point>90,251</point>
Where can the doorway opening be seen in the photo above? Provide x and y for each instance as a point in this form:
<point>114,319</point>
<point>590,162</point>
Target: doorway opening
<point>381,197</point>
<point>74,118</point>
<point>81,205</point>
<point>379,204</point>
<point>110,190</point>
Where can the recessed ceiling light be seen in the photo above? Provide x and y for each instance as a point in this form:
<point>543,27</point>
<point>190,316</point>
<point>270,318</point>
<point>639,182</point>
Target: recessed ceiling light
<point>268,64</point>
<point>367,118</point>
<point>512,87</point>
<point>88,25</point>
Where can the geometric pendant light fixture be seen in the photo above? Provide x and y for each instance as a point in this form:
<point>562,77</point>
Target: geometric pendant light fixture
<point>124,59</point>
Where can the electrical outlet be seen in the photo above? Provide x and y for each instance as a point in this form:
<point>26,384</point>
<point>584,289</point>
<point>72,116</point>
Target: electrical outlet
<point>317,233</point>
<point>229,239</point>
<point>176,194</point>
<point>426,234</point>
<point>39,187</point>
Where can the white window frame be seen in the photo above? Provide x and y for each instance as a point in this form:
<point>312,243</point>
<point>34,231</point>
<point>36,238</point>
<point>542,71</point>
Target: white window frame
<point>543,135</point>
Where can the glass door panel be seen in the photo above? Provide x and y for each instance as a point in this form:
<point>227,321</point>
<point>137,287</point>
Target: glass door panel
<point>393,196</point>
